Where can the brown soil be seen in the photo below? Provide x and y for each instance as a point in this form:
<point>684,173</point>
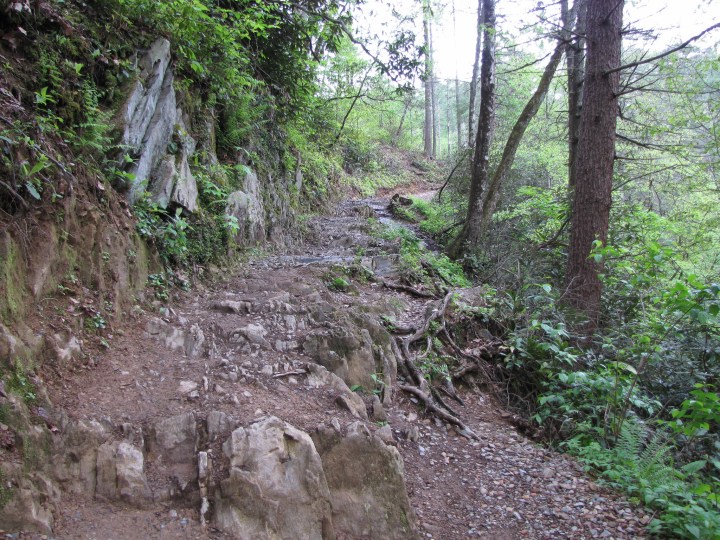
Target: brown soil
<point>502,486</point>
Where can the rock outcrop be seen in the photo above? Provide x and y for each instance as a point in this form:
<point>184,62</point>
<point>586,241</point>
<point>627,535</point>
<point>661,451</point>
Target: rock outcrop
<point>367,485</point>
<point>276,487</point>
<point>155,132</point>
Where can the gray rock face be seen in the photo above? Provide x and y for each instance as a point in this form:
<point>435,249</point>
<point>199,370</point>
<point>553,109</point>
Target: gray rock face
<point>367,486</point>
<point>76,468</point>
<point>248,208</point>
<point>155,131</point>
<point>121,474</point>
<point>173,449</point>
<point>30,507</point>
<point>354,348</point>
<point>276,488</point>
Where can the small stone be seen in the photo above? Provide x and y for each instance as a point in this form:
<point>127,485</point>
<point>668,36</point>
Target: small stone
<point>267,369</point>
<point>219,389</point>
<point>185,387</point>
<point>248,394</point>
<point>413,434</point>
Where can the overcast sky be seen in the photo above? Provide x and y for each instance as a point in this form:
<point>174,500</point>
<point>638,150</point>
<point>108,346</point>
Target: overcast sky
<point>673,21</point>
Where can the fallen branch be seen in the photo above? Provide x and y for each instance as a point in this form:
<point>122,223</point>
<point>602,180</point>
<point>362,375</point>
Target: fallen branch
<point>290,373</point>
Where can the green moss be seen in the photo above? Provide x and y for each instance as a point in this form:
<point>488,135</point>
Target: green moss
<point>11,281</point>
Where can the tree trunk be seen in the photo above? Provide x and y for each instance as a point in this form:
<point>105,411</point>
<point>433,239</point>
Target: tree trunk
<point>575,55</point>
<point>595,157</point>
<point>435,101</point>
<point>408,103</point>
<point>428,125</point>
<point>475,75</point>
<point>516,135</point>
<point>469,237</point>
<point>458,113</point>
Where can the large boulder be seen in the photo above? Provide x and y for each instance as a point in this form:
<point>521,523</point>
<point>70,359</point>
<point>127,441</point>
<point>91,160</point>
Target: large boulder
<point>75,466</point>
<point>353,346</point>
<point>276,487</point>
<point>367,485</point>
<point>121,474</point>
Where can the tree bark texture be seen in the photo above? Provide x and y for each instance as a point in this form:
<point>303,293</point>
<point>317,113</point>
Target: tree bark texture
<point>475,76</point>
<point>575,55</point>
<point>595,156</point>
<point>470,234</point>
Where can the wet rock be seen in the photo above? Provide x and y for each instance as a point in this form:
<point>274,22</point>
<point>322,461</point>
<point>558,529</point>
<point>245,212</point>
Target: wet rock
<point>121,474</point>
<point>276,486</point>
<point>367,486</point>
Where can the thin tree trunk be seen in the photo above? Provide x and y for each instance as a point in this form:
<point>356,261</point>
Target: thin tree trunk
<point>458,114</point>
<point>475,75</point>
<point>516,135</point>
<point>469,237</point>
<point>595,157</point>
<point>447,116</point>
<point>575,55</point>
<point>435,100</point>
<point>398,132</point>
<point>354,101</point>
<point>427,126</point>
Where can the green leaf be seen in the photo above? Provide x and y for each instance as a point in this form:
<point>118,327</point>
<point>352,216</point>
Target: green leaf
<point>32,190</point>
<point>695,466</point>
<point>694,530</point>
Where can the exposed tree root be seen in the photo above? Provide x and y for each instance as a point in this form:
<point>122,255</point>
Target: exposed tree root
<point>408,289</point>
<point>421,388</point>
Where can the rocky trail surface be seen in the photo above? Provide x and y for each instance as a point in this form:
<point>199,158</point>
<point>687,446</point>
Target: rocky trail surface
<point>246,410</point>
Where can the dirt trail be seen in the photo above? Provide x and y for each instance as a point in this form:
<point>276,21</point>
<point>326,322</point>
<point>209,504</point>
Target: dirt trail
<point>502,486</point>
